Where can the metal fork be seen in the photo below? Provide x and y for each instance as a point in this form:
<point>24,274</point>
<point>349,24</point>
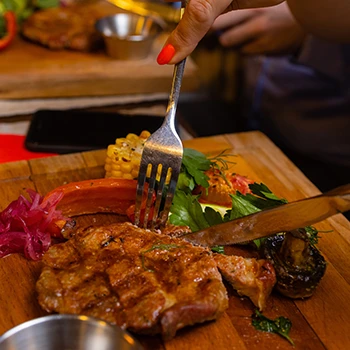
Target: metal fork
<point>162,155</point>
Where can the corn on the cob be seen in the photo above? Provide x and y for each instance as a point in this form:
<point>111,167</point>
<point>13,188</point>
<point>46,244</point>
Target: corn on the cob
<point>124,157</point>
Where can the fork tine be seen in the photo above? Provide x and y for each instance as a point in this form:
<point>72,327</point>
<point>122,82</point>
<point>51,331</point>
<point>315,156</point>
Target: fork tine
<point>169,195</point>
<point>150,192</point>
<point>160,191</point>
<point>139,191</point>
<point>152,160</point>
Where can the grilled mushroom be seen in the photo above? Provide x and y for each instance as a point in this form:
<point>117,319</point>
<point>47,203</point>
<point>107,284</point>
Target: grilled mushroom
<point>299,265</point>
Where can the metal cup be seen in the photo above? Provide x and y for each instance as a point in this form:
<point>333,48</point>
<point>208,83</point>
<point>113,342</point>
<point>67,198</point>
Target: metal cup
<point>129,36</point>
<point>67,332</point>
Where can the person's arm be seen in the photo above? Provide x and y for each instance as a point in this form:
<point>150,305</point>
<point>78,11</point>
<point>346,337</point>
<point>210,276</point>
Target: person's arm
<point>269,30</point>
<point>325,18</point>
<point>328,19</point>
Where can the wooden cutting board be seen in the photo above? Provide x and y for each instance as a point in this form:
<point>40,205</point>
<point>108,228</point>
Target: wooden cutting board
<point>320,322</point>
<point>28,70</point>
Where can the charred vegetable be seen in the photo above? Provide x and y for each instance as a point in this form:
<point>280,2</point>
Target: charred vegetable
<point>299,265</point>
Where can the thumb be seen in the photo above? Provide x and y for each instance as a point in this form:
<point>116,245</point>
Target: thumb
<point>197,19</point>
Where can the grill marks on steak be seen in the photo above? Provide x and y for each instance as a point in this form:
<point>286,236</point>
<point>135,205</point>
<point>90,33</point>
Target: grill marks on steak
<point>143,281</point>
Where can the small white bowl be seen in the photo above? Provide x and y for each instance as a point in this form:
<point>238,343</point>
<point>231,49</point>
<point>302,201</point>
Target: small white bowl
<point>67,332</point>
<point>129,36</point>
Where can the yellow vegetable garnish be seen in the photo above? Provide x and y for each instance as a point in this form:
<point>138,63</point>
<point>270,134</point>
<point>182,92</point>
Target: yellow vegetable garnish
<point>123,158</point>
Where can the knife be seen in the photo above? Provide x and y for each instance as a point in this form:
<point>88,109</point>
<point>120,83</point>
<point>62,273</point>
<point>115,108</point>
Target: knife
<point>283,218</point>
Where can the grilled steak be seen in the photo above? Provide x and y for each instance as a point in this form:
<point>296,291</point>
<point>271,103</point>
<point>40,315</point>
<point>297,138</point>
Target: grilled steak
<point>254,278</point>
<point>63,28</point>
<point>143,281</point>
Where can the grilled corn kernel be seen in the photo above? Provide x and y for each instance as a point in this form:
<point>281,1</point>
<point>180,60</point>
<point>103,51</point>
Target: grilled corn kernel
<point>116,174</point>
<point>124,157</point>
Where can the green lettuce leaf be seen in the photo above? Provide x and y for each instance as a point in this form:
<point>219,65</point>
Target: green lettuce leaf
<point>195,164</point>
<point>186,211</point>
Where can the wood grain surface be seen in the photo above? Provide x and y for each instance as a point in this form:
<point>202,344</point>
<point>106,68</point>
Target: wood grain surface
<point>319,322</point>
<point>28,70</point>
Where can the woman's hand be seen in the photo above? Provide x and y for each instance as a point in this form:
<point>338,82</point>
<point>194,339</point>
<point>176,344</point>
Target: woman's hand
<point>269,30</point>
<point>327,19</point>
<point>198,18</point>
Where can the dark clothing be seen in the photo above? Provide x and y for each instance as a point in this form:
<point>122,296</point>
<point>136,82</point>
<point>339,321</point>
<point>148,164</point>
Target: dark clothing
<point>302,103</point>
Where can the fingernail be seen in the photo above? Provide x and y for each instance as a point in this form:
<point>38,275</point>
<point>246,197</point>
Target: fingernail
<point>166,54</point>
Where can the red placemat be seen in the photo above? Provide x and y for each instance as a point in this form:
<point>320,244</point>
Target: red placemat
<point>12,149</point>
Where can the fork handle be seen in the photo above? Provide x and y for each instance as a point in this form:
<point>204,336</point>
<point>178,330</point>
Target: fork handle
<point>175,86</point>
<point>174,94</point>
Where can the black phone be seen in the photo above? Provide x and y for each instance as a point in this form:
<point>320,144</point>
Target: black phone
<point>69,131</point>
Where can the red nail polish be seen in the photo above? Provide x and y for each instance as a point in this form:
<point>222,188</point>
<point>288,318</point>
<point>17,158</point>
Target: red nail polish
<point>166,54</point>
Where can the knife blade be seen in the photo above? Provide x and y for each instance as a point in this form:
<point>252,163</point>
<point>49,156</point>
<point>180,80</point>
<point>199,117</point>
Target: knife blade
<point>268,222</point>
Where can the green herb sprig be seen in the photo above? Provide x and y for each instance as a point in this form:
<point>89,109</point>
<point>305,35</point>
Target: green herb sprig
<point>281,325</point>
<point>220,163</point>
<point>194,166</point>
<point>154,247</point>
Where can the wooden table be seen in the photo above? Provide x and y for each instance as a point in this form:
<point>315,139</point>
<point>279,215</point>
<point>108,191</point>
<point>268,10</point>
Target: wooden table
<point>320,322</point>
<point>28,70</point>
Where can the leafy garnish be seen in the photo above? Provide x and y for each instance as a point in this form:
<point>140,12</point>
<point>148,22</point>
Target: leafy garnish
<point>263,191</point>
<point>195,163</point>
<point>212,216</point>
<point>194,166</point>
<point>241,206</point>
<point>312,234</point>
<point>154,247</point>
<point>280,325</point>
<point>221,164</point>
<point>218,249</point>
<point>162,247</point>
<point>260,199</point>
<point>185,182</point>
<point>186,211</point>
<point>43,4</point>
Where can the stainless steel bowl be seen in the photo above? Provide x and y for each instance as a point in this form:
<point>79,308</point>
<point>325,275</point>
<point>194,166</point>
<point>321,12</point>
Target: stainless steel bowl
<point>67,332</point>
<point>129,36</point>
